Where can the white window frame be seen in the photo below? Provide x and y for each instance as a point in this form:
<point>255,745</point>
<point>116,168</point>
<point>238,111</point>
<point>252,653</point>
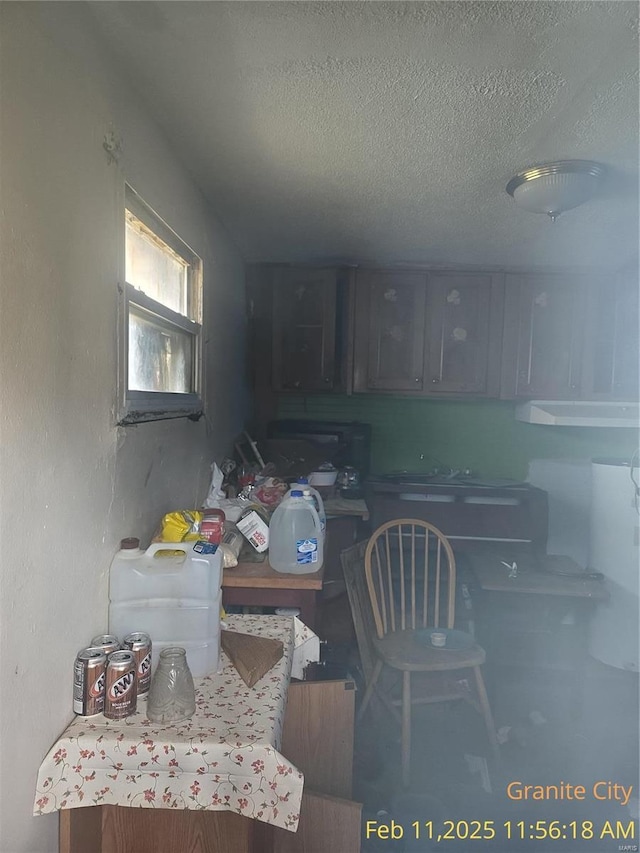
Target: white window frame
<point>140,406</point>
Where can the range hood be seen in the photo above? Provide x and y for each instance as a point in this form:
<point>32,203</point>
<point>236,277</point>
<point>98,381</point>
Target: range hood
<point>573,413</point>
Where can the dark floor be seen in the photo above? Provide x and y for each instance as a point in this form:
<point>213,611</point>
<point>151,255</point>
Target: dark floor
<point>555,727</point>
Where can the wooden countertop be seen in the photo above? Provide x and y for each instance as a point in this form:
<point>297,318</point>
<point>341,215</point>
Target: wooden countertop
<point>250,575</point>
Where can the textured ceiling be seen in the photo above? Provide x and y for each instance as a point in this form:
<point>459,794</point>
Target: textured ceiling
<point>387,131</point>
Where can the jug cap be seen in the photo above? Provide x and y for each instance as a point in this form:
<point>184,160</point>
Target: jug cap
<point>129,543</point>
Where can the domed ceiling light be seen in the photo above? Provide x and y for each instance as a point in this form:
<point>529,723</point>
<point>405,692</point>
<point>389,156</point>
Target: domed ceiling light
<point>552,188</point>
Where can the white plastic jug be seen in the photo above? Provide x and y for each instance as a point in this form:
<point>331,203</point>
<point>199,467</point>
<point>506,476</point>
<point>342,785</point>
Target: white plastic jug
<point>174,597</point>
<point>295,536</point>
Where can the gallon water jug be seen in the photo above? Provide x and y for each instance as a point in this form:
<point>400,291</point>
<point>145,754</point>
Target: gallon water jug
<point>295,536</point>
<point>313,495</point>
<point>171,591</point>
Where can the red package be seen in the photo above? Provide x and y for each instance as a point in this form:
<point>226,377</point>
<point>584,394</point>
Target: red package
<point>212,525</point>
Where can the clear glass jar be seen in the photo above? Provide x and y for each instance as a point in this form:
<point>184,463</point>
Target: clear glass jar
<point>172,696</point>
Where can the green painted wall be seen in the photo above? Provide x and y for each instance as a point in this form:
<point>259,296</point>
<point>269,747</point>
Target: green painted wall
<point>481,435</point>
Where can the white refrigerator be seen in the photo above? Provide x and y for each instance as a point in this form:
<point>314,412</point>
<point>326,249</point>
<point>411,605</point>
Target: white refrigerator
<point>614,551</point>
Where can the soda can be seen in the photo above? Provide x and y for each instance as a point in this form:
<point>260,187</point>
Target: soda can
<point>121,686</point>
<point>140,645</point>
<point>107,642</point>
<point>88,681</point>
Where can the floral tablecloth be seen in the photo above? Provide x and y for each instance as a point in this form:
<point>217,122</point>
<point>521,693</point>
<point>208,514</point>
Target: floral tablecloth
<point>225,757</point>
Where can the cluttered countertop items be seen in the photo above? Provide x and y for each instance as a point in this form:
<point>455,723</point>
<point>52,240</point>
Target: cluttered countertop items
<point>285,517</point>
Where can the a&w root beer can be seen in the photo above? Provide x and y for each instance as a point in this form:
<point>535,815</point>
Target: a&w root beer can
<point>88,682</point>
<point>107,642</point>
<point>140,645</point>
<point>121,693</point>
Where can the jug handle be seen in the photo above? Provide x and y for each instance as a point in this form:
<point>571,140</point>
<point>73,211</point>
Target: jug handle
<point>153,549</point>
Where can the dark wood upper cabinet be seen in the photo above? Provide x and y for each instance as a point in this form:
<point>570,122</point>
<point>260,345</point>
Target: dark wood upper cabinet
<point>544,336</point>
<point>464,338</point>
<point>304,329</point>
<point>428,333</point>
<point>615,351</point>
<point>389,331</point>
<point>443,333</point>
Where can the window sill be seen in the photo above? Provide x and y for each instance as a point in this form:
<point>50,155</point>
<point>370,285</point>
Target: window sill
<point>160,407</point>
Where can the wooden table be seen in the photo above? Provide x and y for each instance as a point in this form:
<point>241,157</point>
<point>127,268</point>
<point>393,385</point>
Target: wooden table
<point>224,759</point>
<point>537,620</point>
<point>97,816</point>
<point>257,584</point>
<point>317,737</point>
<point>544,575</point>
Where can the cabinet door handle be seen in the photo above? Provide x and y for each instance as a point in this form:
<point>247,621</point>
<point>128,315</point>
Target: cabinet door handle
<point>417,379</point>
<point>435,380</point>
<point>326,379</point>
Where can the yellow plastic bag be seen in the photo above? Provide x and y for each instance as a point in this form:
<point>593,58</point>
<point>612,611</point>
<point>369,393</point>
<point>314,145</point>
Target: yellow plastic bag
<point>181,526</point>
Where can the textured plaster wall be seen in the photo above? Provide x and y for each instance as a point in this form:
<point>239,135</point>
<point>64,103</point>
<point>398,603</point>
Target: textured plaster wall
<point>71,482</point>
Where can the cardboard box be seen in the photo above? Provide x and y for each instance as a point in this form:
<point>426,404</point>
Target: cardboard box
<point>252,656</point>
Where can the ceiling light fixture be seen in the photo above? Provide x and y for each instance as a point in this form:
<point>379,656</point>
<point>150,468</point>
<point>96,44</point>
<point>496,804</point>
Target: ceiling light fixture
<point>552,188</point>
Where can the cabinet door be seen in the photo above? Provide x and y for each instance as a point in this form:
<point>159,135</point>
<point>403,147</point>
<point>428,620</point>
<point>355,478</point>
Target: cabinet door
<point>389,331</point>
<point>464,334</point>
<point>543,336</point>
<point>304,330</point>
<point>616,351</point>
<point>318,734</point>
<point>326,823</point>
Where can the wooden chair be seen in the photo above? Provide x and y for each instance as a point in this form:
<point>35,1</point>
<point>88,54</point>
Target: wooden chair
<point>352,560</point>
<point>410,572</point>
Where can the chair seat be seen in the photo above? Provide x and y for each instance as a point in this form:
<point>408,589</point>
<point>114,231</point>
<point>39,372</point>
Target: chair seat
<point>403,650</point>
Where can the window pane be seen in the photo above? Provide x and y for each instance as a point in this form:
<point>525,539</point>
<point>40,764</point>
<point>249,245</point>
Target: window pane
<point>160,356</point>
<point>154,268</point>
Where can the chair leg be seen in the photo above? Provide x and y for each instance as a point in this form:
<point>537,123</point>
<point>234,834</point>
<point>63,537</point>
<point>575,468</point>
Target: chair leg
<point>406,728</point>
<point>368,693</point>
<point>486,713</point>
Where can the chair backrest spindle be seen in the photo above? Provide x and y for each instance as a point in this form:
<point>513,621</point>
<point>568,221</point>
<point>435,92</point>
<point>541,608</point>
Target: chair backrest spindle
<point>394,588</point>
<point>413,577</point>
<point>402,590</point>
<point>425,583</point>
<point>436,614</point>
<point>391,602</point>
<point>380,613</point>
